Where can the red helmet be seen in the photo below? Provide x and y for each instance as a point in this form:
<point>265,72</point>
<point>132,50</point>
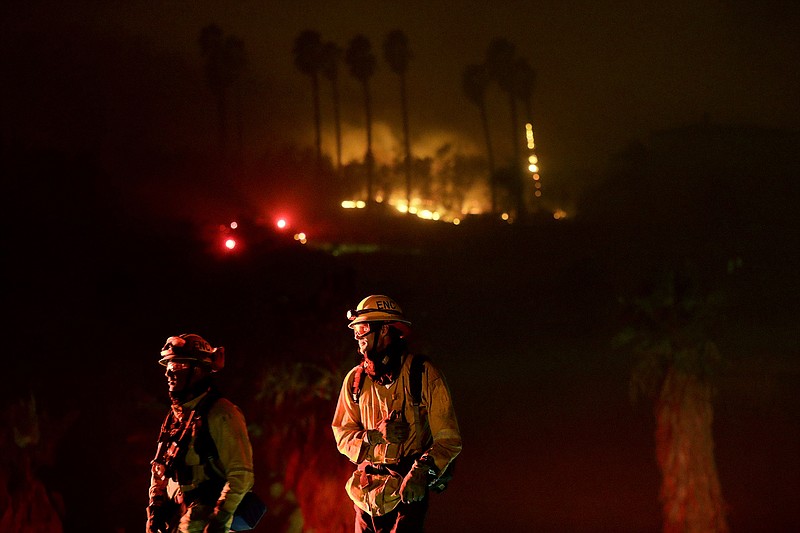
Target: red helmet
<point>191,348</point>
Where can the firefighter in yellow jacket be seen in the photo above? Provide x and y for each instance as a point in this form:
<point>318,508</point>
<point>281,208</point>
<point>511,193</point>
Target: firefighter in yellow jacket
<point>395,420</point>
<point>204,462</point>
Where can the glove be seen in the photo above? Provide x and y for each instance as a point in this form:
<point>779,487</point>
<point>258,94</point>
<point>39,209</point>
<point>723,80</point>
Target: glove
<point>219,522</point>
<point>156,522</point>
<point>415,484</point>
<point>393,428</point>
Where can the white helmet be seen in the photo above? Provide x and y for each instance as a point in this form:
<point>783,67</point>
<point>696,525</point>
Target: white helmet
<point>378,308</point>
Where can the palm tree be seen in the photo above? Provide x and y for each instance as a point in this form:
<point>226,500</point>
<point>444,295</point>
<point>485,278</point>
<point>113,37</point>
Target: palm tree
<point>308,60</point>
<point>676,358</point>
<point>225,62</point>
<point>474,82</point>
<point>362,64</point>
<point>398,55</point>
<point>524,81</point>
<point>501,62</point>
<point>331,55</point>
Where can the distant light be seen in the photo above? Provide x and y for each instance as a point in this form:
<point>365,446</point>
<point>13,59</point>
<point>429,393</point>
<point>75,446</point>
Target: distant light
<point>281,223</point>
<point>533,159</point>
<point>379,198</point>
<point>361,204</point>
<point>412,210</point>
<point>504,216</point>
<point>456,221</point>
<point>234,225</point>
<point>537,193</point>
<point>538,184</point>
<point>348,204</point>
<point>230,244</point>
<point>533,168</point>
<point>403,208</point>
<point>300,236</point>
<point>536,177</point>
<point>559,214</point>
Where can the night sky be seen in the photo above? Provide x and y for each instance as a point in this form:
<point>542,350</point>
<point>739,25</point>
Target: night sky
<point>607,72</point>
<point>106,114</point>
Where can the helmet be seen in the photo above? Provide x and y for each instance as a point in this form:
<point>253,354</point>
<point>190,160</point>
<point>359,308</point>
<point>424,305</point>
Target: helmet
<point>191,348</point>
<point>377,308</point>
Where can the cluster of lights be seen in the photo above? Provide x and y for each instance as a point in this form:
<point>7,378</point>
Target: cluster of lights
<point>403,207</point>
<point>533,160</point>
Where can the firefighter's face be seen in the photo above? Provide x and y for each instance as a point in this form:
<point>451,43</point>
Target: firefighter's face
<point>367,334</point>
<point>181,375</point>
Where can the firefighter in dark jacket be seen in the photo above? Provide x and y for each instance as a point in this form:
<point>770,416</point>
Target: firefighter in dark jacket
<point>204,462</point>
<point>402,447</point>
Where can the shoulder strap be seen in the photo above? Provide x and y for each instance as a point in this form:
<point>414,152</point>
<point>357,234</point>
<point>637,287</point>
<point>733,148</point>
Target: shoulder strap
<point>204,443</point>
<point>415,374</point>
<point>358,383</point>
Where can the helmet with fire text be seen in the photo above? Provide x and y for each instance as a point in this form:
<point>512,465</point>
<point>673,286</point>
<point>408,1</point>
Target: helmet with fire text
<point>193,349</point>
<point>378,308</point>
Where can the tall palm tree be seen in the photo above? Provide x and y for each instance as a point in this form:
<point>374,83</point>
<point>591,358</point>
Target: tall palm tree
<point>308,59</point>
<point>474,82</point>
<point>331,55</point>
<point>524,81</point>
<point>398,54</point>
<point>236,61</point>
<point>362,64</point>
<point>501,62</point>
<point>225,62</point>
<point>668,332</point>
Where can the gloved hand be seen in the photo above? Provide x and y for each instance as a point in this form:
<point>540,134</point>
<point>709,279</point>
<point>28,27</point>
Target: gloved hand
<point>393,428</point>
<point>156,522</point>
<point>415,484</point>
<point>219,521</point>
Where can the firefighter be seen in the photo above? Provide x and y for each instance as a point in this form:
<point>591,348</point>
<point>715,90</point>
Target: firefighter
<point>204,461</point>
<point>395,420</point>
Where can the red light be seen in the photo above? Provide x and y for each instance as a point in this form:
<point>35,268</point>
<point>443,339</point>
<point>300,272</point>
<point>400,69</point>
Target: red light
<point>230,244</point>
<point>281,223</point>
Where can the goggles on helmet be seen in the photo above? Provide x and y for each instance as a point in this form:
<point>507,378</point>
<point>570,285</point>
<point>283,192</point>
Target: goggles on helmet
<point>361,329</point>
<point>173,366</point>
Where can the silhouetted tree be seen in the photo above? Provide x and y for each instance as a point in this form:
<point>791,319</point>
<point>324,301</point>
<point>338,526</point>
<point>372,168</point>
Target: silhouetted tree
<point>225,62</point>
<point>308,58</point>
<point>524,81</point>
<point>475,81</point>
<point>501,63</point>
<point>398,55</point>
<point>362,64</point>
<point>331,55</point>
<point>676,359</point>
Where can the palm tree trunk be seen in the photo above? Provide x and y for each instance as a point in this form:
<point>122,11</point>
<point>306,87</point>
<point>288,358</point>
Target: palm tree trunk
<point>489,156</point>
<point>317,117</point>
<point>222,124</point>
<point>516,173</point>
<point>370,160</point>
<point>404,106</point>
<point>691,495</point>
<point>337,123</point>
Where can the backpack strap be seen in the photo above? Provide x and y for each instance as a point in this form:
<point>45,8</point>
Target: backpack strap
<point>415,378</point>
